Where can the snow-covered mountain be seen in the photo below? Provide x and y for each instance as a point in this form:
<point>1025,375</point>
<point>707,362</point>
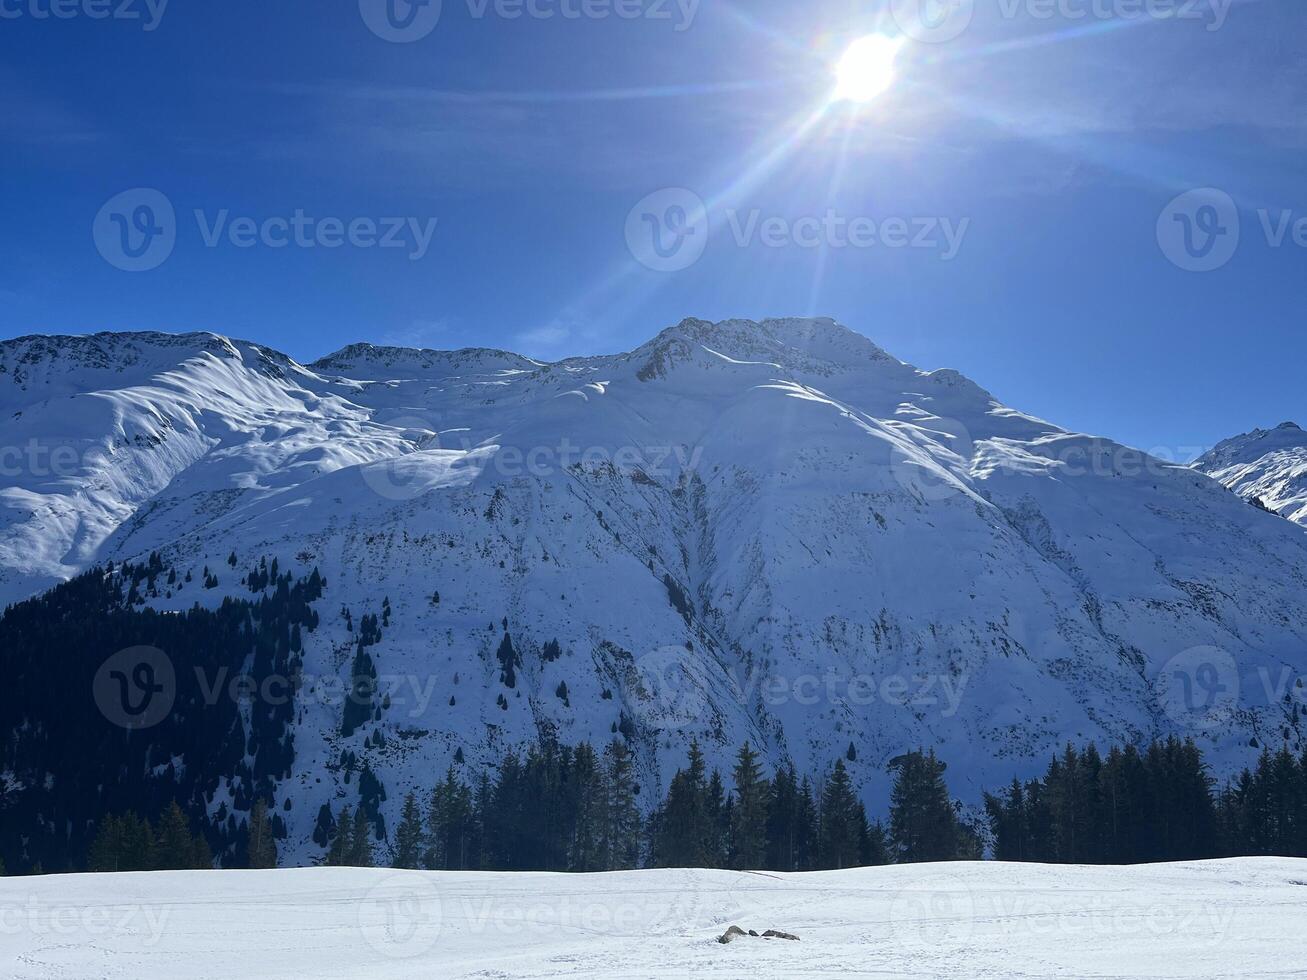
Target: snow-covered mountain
<point>1269,465</point>
<point>768,531</point>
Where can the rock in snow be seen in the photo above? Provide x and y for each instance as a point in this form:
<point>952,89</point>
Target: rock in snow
<point>767,531</point>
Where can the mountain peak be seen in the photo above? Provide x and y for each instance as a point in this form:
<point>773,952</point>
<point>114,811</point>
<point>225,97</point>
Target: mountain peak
<point>816,345</point>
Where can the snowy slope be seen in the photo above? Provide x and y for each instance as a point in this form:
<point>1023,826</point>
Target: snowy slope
<point>1240,918</point>
<point>768,531</point>
<point>1269,465</point>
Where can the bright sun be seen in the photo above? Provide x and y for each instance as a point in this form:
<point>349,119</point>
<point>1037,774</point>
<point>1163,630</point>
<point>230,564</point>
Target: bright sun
<point>867,68</point>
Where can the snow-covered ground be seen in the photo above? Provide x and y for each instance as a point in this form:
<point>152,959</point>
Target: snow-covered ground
<point>1239,918</point>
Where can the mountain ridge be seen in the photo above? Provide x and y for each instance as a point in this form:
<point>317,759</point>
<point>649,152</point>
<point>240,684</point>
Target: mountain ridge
<point>1264,465</point>
<point>774,532</point>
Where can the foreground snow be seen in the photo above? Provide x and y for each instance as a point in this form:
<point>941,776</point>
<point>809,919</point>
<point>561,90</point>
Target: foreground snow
<point>1242,917</point>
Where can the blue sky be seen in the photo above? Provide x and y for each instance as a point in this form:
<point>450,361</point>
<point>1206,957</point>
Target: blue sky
<point>1050,137</point>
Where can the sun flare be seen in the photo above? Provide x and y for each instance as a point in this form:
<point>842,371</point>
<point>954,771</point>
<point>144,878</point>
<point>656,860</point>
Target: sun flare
<point>866,69</point>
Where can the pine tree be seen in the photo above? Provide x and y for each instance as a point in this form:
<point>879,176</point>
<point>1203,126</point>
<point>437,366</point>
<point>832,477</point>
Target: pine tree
<point>360,845</point>
<point>108,847</point>
<point>262,847</point>
<point>782,820</point>
<point>875,844</point>
<point>338,855</point>
<point>623,827</point>
<point>749,813</point>
<point>923,822</point>
<point>682,831</point>
<point>174,848</point>
<point>842,822</point>
<point>408,836</point>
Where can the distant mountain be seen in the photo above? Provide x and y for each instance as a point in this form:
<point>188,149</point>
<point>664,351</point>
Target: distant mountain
<point>1269,465</point>
<point>767,531</point>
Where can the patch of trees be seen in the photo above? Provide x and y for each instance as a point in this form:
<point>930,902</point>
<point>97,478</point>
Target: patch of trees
<point>130,843</point>
<point>1159,804</point>
<point>69,758</point>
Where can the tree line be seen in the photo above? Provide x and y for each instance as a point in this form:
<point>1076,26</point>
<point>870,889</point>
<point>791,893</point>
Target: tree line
<point>1158,804</point>
<point>569,809</point>
<point>562,808</point>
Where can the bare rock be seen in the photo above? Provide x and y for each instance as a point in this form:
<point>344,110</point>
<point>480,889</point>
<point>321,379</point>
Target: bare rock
<point>730,934</point>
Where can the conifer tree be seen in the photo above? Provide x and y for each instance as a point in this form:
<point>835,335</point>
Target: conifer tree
<point>262,847</point>
<point>923,822</point>
<point>339,854</point>
<point>409,836</point>
<point>842,822</point>
<point>623,826</point>
<point>749,813</point>
<point>360,846</point>
<point>174,847</point>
